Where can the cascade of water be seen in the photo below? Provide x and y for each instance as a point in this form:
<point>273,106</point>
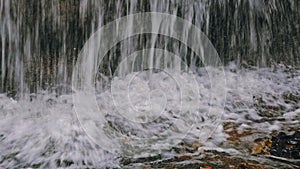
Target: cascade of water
<point>147,101</point>
<point>40,40</point>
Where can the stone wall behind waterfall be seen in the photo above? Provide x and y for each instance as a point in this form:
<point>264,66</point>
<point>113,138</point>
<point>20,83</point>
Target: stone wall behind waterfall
<point>39,40</point>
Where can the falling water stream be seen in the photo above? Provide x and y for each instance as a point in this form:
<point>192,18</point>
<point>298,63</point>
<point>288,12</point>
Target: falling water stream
<point>86,84</point>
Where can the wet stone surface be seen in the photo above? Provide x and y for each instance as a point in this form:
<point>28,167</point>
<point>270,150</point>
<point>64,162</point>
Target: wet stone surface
<point>208,159</point>
<point>287,146</point>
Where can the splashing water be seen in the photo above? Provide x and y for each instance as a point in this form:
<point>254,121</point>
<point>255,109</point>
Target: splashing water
<point>150,92</point>
<point>44,132</point>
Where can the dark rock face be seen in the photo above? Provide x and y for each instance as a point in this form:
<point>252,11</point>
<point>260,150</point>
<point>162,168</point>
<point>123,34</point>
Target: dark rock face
<point>287,146</point>
<point>41,39</point>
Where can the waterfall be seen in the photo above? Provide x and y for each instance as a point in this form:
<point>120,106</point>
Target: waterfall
<point>148,83</point>
<point>40,40</point>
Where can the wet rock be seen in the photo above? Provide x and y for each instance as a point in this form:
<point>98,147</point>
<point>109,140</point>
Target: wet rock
<point>265,108</point>
<point>249,166</point>
<point>235,135</point>
<point>186,147</point>
<point>291,97</point>
<point>126,161</point>
<point>262,146</point>
<point>287,146</point>
<point>207,159</point>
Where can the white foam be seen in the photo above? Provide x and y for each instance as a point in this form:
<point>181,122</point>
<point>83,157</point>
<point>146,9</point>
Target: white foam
<point>46,129</point>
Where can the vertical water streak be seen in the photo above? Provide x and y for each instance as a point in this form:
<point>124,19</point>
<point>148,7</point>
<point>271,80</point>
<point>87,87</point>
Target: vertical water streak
<point>40,40</point>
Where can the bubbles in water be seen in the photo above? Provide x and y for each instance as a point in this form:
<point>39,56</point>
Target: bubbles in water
<point>153,96</point>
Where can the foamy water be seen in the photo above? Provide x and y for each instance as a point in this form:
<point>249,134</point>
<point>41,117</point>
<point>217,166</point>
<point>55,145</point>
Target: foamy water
<point>45,131</point>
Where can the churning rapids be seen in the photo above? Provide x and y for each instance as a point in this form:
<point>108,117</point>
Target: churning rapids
<point>43,130</point>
